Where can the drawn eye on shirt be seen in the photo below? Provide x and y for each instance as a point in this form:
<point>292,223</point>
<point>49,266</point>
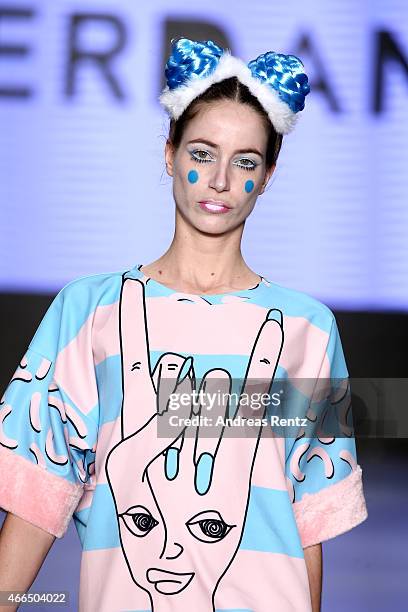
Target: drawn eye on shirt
<point>139,521</point>
<point>208,526</point>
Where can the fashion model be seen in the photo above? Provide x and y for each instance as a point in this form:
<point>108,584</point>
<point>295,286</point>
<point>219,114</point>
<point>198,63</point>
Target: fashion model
<point>143,405</point>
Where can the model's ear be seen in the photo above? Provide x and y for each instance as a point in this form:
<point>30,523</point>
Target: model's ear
<point>169,157</point>
<point>268,175</point>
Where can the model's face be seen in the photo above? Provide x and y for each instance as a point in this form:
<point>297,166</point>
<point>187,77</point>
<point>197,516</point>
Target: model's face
<point>219,168</point>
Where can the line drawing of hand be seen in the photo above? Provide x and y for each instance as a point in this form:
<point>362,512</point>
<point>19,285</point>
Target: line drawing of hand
<point>181,501</point>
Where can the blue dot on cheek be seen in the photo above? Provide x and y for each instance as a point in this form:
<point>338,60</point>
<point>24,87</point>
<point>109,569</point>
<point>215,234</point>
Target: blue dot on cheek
<point>249,185</point>
<point>192,176</point>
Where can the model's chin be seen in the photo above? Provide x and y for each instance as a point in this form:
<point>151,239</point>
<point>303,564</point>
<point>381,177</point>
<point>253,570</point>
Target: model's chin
<point>206,223</point>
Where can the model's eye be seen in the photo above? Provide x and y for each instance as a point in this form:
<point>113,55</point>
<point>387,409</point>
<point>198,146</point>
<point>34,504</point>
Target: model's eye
<point>246,163</point>
<point>139,521</point>
<point>201,156</point>
<point>208,526</point>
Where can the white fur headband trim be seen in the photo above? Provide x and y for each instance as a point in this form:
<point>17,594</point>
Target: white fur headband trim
<point>281,116</point>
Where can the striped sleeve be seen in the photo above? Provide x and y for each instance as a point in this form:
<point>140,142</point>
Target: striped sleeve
<point>321,467</point>
<point>48,433</point>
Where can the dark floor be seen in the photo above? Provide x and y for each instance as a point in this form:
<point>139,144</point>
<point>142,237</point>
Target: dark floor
<point>364,569</point>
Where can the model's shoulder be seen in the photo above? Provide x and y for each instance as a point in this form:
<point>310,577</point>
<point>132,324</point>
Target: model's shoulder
<point>101,288</point>
<point>71,308</point>
<point>92,281</point>
<point>296,303</point>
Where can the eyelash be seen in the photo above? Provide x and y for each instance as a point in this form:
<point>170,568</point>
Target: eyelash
<point>200,160</point>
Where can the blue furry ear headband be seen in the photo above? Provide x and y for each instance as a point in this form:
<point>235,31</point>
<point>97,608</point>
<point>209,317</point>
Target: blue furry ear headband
<point>276,79</point>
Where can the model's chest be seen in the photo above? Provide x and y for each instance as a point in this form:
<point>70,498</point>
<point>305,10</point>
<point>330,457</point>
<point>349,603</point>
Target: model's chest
<point>216,335</point>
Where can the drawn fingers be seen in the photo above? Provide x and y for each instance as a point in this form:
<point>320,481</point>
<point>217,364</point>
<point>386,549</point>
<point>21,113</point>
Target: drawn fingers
<point>139,397</point>
<point>263,361</point>
<point>212,410</point>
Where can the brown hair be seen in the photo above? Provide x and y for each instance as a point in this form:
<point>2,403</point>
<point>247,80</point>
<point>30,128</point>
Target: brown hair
<point>228,89</point>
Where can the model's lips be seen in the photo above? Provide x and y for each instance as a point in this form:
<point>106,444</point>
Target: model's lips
<point>168,582</point>
<point>214,206</point>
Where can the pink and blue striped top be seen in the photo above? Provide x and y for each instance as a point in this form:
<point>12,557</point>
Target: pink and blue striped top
<point>191,520</point>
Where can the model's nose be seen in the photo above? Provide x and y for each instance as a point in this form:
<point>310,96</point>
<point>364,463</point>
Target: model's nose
<point>219,179</point>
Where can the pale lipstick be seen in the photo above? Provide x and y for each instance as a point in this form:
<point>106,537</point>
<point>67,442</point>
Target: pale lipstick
<point>214,206</point>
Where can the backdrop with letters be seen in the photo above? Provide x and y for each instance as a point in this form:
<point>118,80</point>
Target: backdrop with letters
<point>83,186</point>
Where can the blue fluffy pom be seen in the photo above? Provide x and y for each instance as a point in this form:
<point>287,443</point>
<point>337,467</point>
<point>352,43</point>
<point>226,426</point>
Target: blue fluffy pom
<point>190,59</point>
<point>285,74</point>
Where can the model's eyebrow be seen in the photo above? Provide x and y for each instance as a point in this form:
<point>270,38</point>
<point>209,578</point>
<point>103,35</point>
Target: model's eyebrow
<point>212,144</point>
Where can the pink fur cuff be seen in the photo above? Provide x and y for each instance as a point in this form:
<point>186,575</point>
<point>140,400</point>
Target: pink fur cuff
<point>35,494</point>
<point>331,511</point>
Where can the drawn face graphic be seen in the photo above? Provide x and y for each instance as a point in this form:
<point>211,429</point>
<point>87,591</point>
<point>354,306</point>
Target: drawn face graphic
<point>178,538</point>
<point>171,528</point>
